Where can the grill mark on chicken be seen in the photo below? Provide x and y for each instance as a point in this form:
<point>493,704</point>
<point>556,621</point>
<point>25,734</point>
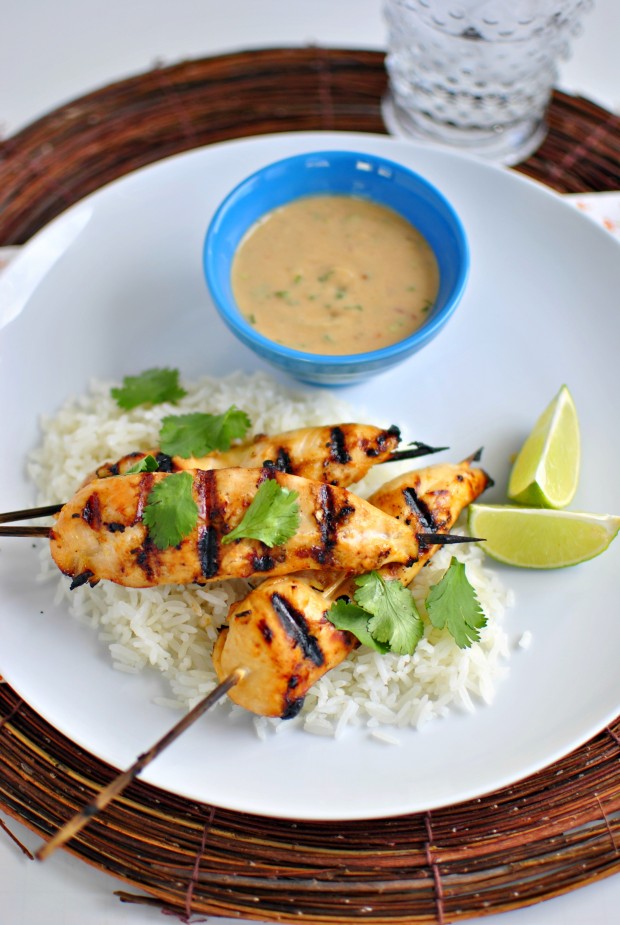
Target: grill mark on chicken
<point>263,563</point>
<point>165,463</point>
<point>344,512</point>
<point>91,512</point>
<point>208,540</point>
<point>292,708</point>
<point>144,490</point>
<point>385,442</point>
<point>338,446</point>
<point>146,554</point>
<point>80,580</point>
<point>389,438</point>
<point>420,509</point>
<point>327,525</point>
<point>292,705</point>
<point>330,520</point>
<point>115,527</point>
<point>208,551</point>
<point>283,461</point>
<point>295,626</point>
<point>264,629</point>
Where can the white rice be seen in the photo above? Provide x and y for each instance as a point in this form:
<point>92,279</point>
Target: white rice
<point>172,629</point>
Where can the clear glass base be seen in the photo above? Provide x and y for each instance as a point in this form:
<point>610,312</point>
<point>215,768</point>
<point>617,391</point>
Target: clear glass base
<point>508,146</point>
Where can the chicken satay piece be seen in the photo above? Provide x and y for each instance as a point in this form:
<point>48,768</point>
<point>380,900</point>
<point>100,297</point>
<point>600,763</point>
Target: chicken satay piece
<point>280,631</point>
<point>100,533</point>
<point>337,455</point>
<point>428,500</point>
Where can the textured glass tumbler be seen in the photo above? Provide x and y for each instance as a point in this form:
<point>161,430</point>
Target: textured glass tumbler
<point>476,74</point>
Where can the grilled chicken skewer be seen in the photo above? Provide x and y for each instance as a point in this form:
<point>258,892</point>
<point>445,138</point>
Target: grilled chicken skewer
<point>280,632</point>
<point>337,454</point>
<point>100,533</point>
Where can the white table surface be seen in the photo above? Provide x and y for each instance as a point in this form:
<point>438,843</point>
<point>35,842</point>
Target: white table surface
<point>52,52</point>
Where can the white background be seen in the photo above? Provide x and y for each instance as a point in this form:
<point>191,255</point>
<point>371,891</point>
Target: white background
<point>52,52</point>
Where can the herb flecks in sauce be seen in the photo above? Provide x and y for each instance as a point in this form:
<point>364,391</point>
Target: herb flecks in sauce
<point>335,275</point>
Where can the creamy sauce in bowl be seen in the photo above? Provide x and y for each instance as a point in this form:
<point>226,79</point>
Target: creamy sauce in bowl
<point>334,274</point>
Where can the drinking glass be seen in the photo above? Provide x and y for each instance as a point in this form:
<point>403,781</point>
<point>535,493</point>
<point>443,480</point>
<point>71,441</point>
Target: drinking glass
<point>476,74</point>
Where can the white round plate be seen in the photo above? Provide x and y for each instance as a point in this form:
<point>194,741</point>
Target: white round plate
<point>115,286</point>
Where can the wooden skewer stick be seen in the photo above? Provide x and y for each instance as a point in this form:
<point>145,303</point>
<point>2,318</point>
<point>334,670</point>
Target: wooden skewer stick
<point>116,786</point>
<point>25,531</point>
<point>425,539</point>
<point>29,513</point>
<point>415,449</point>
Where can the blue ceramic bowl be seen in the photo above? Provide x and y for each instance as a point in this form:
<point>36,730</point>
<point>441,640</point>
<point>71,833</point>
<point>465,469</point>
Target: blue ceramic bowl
<point>338,172</point>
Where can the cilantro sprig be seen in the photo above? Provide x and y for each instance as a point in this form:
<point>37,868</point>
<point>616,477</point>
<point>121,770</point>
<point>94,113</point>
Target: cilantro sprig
<point>197,433</point>
<point>354,619</point>
<point>394,619</point>
<point>384,616</point>
<point>273,516</point>
<point>152,387</point>
<point>452,603</point>
<point>171,513</point>
<point>185,435</point>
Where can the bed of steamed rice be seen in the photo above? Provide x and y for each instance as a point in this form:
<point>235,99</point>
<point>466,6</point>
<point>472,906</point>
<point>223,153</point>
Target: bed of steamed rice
<point>172,628</point>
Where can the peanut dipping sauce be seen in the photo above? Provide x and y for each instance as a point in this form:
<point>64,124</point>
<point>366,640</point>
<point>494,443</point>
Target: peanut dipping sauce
<point>334,274</point>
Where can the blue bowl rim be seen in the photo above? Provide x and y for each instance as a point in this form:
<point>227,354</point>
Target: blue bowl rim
<point>290,357</point>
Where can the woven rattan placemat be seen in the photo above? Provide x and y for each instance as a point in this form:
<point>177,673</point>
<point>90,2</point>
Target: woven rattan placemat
<point>555,831</point>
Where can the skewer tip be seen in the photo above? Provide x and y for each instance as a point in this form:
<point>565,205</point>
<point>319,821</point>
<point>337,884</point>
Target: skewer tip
<point>446,539</point>
<point>415,449</point>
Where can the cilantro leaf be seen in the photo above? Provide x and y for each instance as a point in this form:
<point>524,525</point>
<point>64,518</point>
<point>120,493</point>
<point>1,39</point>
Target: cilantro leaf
<point>148,463</point>
<point>394,617</point>
<point>152,387</point>
<point>170,512</point>
<point>197,434</point>
<point>353,619</point>
<point>452,603</point>
<point>272,517</point>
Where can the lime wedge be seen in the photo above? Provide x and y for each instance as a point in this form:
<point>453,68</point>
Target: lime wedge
<point>539,537</point>
<point>546,470</point>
